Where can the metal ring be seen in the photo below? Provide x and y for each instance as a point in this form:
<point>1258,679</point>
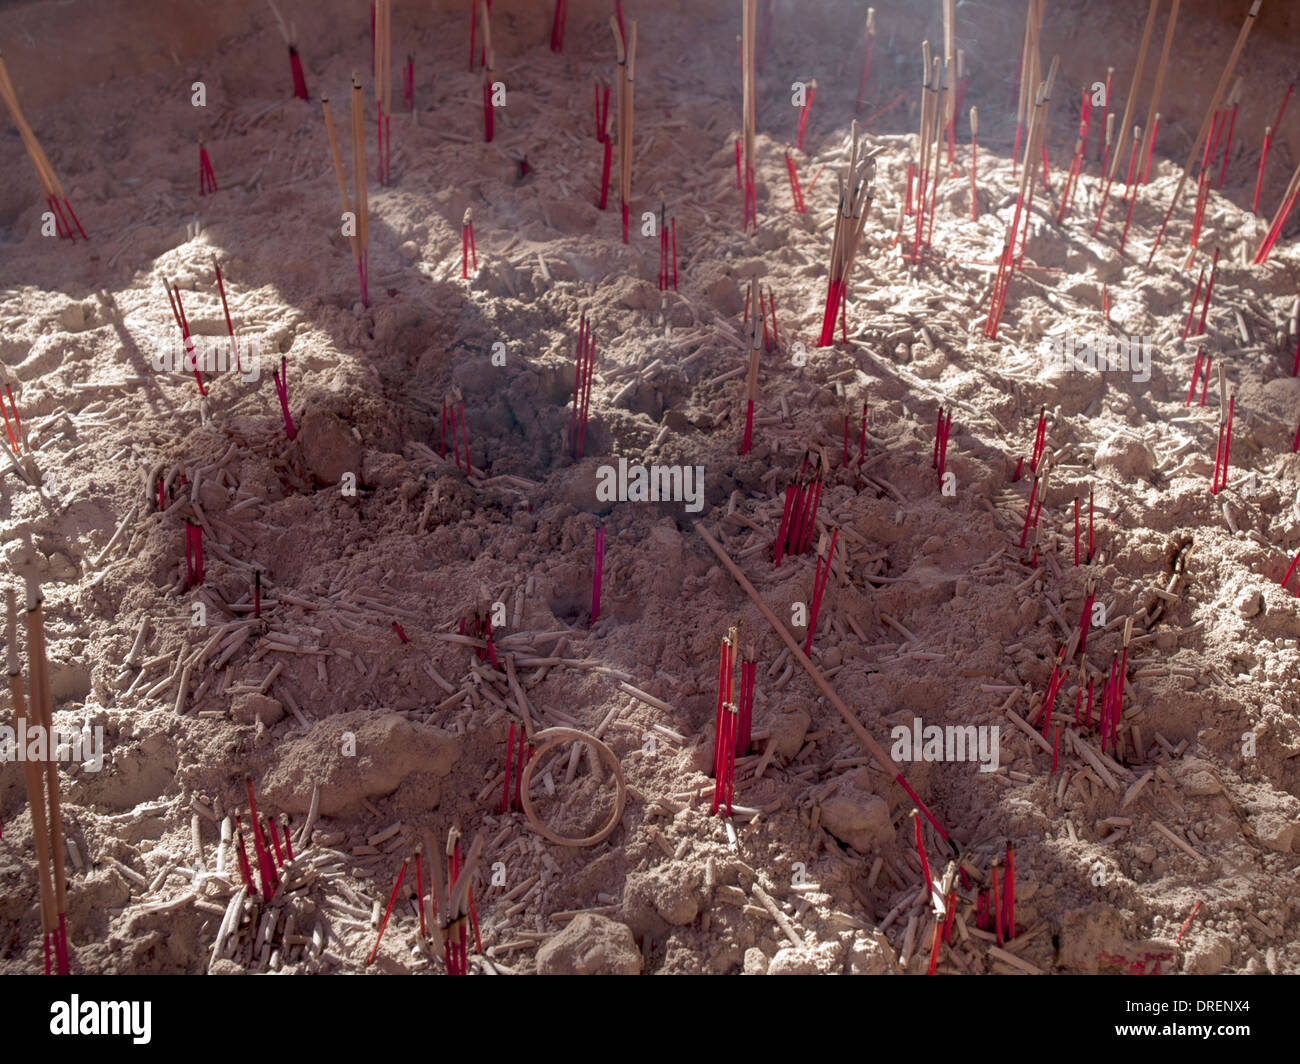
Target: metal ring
<point>550,738</point>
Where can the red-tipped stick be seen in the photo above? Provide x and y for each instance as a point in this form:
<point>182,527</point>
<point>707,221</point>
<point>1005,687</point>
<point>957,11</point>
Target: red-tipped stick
<point>1131,191</point>
<point>1227,440</point>
<point>608,156</point>
<point>1020,465</point>
<point>738,184</point>
<point>178,312</point>
<point>1076,530</point>
<point>207,179</point>
<point>1279,219</point>
<point>673,225</point>
<point>597,568</point>
<point>275,841</point>
<point>467,250</point>
<point>1196,371</point>
<point>242,854</point>
<point>943,445</point>
<point>557,27</point>
<point>791,502</point>
<point>282,390</point>
<point>1227,148</point>
<point>745,717</point>
<point>230,328</point>
<point>820,578</point>
<point>1259,177</point>
<point>1290,570</point>
<point>803,113</point>
<point>1191,310</point>
<point>1033,494</point>
<point>1188,922</point>
<point>392,898</point>
<point>400,633</point>
<point>974,156</point>
<point>1205,377</point>
<point>920,849</point>
<point>795,195</point>
<point>776,339</point>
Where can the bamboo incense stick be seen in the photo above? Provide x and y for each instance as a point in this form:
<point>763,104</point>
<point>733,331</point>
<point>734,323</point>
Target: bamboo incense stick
<point>359,185</point>
<point>1206,123</point>
<point>1148,142</point>
<point>749,106</point>
<point>39,687</point>
<point>755,350</point>
<point>49,182</point>
<point>343,192</point>
<point>34,778</point>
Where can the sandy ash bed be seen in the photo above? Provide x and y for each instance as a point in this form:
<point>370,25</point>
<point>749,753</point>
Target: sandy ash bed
<point>933,613</point>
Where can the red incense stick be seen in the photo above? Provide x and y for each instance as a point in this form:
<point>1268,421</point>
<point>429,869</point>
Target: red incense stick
<point>795,195</point>
<point>803,112</point>
<point>557,27</point>
<point>920,849</point>
<point>392,898</point>
<point>597,569</point>
<point>820,578</point>
<point>230,328</point>
<point>242,854</point>
<point>282,390</point>
<point>275,841</point>
<point>207,179</point>
<point>1191,310</point>
<point>608,156</point>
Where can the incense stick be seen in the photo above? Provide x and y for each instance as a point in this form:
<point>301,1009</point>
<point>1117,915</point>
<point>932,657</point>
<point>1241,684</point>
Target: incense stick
<point>343,192</point>
<point>1207,121</point>
<point>359,185</point>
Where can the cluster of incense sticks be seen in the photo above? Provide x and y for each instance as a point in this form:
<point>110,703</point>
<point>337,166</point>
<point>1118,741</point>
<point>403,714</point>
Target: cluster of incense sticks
<point>796,196</point>
<point>585,359</point>
<point>800,513</point>
<point>755,313</point>
<point>772,340</point>
<point>557,27</point>
<point>295,61</point>
<point>270,856</point>
<point>356,222</point>
<point>936,105</point>
<point>525,755</point>
<point>1269,132</point>
<point>193,555</point>
<point>1210,120</point>
<point>1028,76</point>
<point>489,69</point>
<point>726,730</point>
<point>33,703</point>
<point>55,198</point>
<point>453,404</point>
<point>458,906</point>
<point>1227,404</point>
<point>480,627</point>
<point>625,78</point>
<point>942,428</point>
<point>1024,199</point>
<point>182,323</point>
<point>597,570</point>
<point>207,178</point>
<point>281,380</point>
<point>820,577</point>
<point>667,251</point>
<point>857,189</point>
<point>1275,227</point>
<point>382,26</point>
<point>467,250</point>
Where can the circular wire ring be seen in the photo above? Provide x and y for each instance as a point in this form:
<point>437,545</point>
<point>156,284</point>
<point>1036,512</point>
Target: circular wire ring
<point>548,739</point>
